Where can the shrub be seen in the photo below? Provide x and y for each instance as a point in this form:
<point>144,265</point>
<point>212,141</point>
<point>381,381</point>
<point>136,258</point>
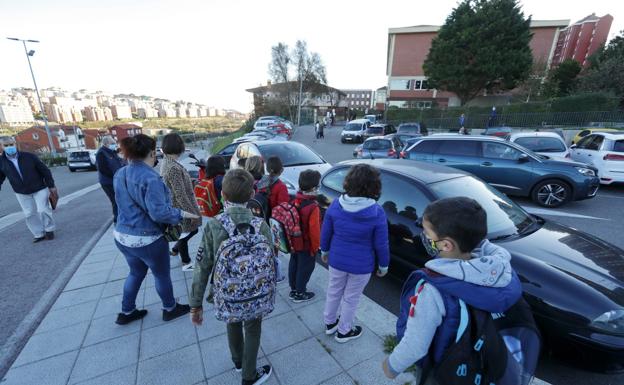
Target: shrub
<point>594,101</point>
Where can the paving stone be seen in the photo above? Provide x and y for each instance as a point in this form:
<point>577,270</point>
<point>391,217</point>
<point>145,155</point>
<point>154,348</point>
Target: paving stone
<point>181,366</point>
<point>98,257</point>
<point>52,371</point>
<point>85,280</point>
<point>78,296</point>
<point>105,328</point>
<point>168,337</point>
<point>376,318</point>
<point>232,377</point>
<point>154,315</point>
<point>211,327</point>
<point>111,305</point>
<point>105,357</point>
<point>52,343</point>
<point>312,317</point>
<point>176,275</point>
<point>94,267</point>
<point>179,290</point>
<point>123,376</point>
<point>369,372</point>
<point>353,352</point>
<point>313,364</point>
<point>281,307</point>
<point>216,355</point>
<point>119,273</point>
<point>67,316</point>
<point>282,331</point>
<point>342,379</point>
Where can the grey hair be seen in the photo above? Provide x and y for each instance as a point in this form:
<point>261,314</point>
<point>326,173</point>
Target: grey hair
<point>107,140</point>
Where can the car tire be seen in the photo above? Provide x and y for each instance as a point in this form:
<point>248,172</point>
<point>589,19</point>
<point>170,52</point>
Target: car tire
<point>72,169</point>
<point>551,193</point>
<point>342,141</point>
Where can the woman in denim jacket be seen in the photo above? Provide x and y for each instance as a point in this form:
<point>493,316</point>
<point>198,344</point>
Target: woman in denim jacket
<point>144,209</point>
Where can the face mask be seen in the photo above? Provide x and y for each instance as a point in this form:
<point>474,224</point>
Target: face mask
<point>10,150</point>
<point>112,147</point>
<point>430,245</point>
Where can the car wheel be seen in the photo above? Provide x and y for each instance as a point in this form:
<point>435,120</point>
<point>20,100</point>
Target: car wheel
<point>342,141</point>
<point>72,169</point>
<point>551,193</point>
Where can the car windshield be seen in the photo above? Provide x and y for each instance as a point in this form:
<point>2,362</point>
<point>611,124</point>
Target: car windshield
<point>409,129</point>
<point>81,154</point>
<point>375,130</point>
<point>377,144</point>
<point>353,127</point>
<point>541,144</point>
<point>504,217</point>
<point>291,154</point>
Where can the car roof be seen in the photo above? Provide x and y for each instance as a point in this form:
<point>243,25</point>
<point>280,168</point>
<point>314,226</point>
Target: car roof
<point>378,137</point>
<point>378,125</point>
<point>598,129</point>
<point>358,121</point>
<point>426,173</point>
<point>611,135</point>
<point>409,124</point>
<point>464,137</point>
<point>535,134</point>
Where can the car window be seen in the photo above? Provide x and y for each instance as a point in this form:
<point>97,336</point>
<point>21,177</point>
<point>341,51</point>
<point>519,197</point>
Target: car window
<point>228,150</point>
<point>397,142</point>
<point>409,129</point>
<point>459,147</point>
<point>425,146</point>
<point>400,197</point>
<point>585,141</point>
<point>353,127</point>
<point>541,144</point>
<point>375,130</point>
<point>377,144</point>
<point>334,179</point>
<point>584,133</point>
<point>291,154</point>
<point>242,152</point>
<point>81,154</point>
<point>500,151</point>
<point>596,143</point>
<point>618,146</point>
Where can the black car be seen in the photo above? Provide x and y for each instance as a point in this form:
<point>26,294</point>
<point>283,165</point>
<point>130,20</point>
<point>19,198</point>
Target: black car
<point>573,281</point>
<point>227,152</point>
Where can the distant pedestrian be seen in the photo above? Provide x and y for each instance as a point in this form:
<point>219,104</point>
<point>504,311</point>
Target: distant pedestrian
<point>328,117</point>
<point>178,180</point>
<point>462,124</point>
<point>33,185</point>
<point>352,218</point>
<point>493,118</point>
<point>108,162</point>
<point>321,132</point>
<point>144,211</point>
<point>317,129</point>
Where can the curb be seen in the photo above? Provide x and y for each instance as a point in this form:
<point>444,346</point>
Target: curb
<point>25,329</point>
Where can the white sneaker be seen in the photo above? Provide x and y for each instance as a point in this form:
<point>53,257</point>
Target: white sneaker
<point>188,267</point>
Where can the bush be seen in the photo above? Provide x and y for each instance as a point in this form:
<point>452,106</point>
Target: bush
<point>52,161</point>
<point>594,101</point>
<point>219,143</point>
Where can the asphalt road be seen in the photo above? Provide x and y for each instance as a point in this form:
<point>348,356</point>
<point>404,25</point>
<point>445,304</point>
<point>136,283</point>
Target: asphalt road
<point>600,216</point>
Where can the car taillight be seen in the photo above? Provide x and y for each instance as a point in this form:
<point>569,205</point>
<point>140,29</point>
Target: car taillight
<point>391,152</point>
<point>613,157</point>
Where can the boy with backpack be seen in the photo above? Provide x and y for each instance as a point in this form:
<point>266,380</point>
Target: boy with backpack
<point>239,247</point>
<point>208,190</point>
<point>463,313</point>
<point>300,220</point>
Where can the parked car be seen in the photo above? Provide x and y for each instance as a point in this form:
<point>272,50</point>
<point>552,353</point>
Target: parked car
<point>500,132</point>
<point>354,131</point>
<point>379,147</point>
<point>295,157</point>
<point>81,160</point>
<point>371,118</point>
<point>411,129</point>
<point>587,131</point>
<point>262,123</point>
<point>548,144</point>
<point>510,168</point>
<point>378,130</point>
<point>407,144</point>
<point>280,129</point>
<point>605,152</point>
<point>573,281</point>
<point>227,152</point>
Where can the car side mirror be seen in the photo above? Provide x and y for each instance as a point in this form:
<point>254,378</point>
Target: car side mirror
<point>523,158</point>
<point>573,146</point>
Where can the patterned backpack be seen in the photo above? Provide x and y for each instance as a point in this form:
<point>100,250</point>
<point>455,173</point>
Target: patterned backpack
<point>206,196</point>
<point>244,273</point>
<point>288,215</point>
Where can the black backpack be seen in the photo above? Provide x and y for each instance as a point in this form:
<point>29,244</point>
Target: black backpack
<point>259,204</point>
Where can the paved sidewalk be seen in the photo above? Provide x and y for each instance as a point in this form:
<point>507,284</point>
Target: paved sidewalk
<point>79,343</point>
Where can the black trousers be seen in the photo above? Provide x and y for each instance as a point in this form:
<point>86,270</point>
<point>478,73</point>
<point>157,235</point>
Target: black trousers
<point>182,247</point>
<point>300,270</point>
<point>110,193</point>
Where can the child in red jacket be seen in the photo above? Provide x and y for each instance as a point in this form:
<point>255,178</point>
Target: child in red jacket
<point>302,262</point>
<point>278,191</point>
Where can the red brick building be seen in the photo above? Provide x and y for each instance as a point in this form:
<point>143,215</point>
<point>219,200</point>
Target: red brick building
<point>125,130</point>
<point>408,48</point>
<point>581,39</point>
<point>35,139</point>
<point>93,136</point>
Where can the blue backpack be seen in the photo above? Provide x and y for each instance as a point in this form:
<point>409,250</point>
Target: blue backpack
<point>473,346</point>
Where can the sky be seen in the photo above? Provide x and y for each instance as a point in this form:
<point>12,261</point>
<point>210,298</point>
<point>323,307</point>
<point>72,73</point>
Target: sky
<point>210,51</point>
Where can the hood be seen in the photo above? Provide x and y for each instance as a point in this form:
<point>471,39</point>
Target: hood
<point>291,174</point>
<point>490,266</point>
<point>354,205</point>
<point>567,163</point>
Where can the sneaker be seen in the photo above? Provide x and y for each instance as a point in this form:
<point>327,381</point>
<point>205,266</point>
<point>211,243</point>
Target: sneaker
<point>49,235</point>
<point>302,297</point>
<point>332,328</point>
<point>173,252</point>
<point>177,312</point>
<point>354,333</point>
<point>39,239</point>
<point>187,267</point>
<point>124,319</point>
<point>238,368</point>
<point>262,375</point>
<point>292,294</point>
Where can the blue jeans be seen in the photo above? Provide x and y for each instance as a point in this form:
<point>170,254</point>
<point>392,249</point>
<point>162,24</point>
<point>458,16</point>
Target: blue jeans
<point>154,256</point>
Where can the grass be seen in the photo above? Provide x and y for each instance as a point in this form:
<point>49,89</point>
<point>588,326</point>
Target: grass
<point>222,141</point>
<point>389,343</point>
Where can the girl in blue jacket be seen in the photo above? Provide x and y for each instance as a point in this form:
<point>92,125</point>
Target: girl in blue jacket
<point>354,241</point>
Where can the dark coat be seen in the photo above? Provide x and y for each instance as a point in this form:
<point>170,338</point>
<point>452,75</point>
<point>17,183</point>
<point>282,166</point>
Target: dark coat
<point>35,174</point>
<point>108,162</point>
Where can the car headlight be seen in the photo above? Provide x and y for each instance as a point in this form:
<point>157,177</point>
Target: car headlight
<point>585,171</point>
<point>610,322</point>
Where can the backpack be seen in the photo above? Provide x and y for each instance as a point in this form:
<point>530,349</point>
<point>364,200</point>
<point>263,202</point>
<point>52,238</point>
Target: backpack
<point>206,197</point>
<point>244,273</point>
<point>486,348</point>
<point>288,216</point>
<point>259,204</point>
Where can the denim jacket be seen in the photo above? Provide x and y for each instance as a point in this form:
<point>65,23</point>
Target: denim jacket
<point>143,201</point>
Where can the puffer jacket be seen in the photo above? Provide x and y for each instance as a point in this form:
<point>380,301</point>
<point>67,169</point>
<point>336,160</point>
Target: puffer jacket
<point>178,180</point>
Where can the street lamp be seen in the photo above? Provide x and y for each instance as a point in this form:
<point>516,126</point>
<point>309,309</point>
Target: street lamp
<point>43,114</point>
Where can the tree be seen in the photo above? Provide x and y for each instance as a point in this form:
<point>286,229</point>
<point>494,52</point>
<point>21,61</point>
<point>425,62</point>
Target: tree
<point>606,71</point>
<point>562,80</point>
<point>483,45</point>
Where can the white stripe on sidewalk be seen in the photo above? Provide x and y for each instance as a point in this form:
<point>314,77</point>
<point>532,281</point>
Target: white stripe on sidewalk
<point>11,219</point>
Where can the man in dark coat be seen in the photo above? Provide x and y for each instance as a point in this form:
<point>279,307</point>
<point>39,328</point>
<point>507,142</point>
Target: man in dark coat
<point>108,162</point>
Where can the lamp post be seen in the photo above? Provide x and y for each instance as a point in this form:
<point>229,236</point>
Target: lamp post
<point>43,114</point>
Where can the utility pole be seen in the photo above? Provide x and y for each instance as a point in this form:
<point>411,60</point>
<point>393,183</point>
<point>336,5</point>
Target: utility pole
<point>43,114</point>
<point>300,96</point>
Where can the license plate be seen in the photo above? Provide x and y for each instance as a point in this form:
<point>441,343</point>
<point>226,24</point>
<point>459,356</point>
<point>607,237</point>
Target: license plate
<point>80,164</point>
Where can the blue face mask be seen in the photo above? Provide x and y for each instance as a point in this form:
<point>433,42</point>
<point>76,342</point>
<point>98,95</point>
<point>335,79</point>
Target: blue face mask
<point>10,150</point>
<point>112,147</point>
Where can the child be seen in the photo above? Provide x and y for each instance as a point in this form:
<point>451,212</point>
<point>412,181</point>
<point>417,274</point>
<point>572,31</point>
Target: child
<point>354,238</point>
<point>215,169</point>
<point>302,262</point>
<point>278,191</point>
<point>454,231</point>
<point>237,190</point>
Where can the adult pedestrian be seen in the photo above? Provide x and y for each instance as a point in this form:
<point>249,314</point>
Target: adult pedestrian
<point>178,180</point>
<point>144,212</point>
<point>493,118</point>
<point>462,124</point>
<point>33,185</point>
<point>108,162</point>
<point>317,129</point>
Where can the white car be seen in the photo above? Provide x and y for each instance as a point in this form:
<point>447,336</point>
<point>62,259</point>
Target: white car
<point>605,151</point>
<point>81,160</point>
<point>548,144</point>
<point>263,123</point>
<point>354,131</point>
<point>295,157</point>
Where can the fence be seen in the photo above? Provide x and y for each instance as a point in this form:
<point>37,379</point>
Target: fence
<point>613,119</point>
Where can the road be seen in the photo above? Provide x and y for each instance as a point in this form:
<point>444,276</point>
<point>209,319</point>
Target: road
<point>596,216</point>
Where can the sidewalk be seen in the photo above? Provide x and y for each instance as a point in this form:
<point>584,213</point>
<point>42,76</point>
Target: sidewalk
<point>79,343</point>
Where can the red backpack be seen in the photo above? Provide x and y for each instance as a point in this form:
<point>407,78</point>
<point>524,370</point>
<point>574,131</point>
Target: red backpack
<point>206,196</point>
<point>288,215</point>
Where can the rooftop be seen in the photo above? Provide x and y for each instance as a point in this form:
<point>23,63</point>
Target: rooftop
<point>435,28</point>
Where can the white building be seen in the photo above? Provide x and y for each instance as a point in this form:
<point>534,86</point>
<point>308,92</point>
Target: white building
<point>121,112</point>
<point>16,113</point>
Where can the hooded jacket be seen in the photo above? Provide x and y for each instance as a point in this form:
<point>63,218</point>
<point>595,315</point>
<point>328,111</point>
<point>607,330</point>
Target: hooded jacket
<point>355,234</point>
<point>486,282</point>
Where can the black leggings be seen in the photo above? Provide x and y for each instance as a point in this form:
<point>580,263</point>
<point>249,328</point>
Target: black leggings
<point>182,247</point>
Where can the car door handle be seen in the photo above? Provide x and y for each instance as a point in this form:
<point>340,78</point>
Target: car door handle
<point>441,160</point>
<point>486,164</point>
